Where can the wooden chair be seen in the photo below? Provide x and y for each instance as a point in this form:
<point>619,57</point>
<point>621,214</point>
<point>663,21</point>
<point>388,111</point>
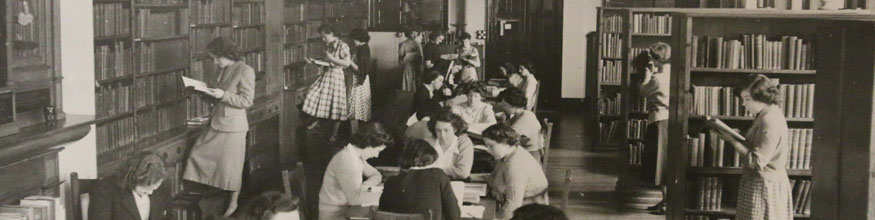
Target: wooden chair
<point>381,215</point>
<point>535,96</point>
<point>547,134</point>
<point>295,185</point>
<point>78,187</point>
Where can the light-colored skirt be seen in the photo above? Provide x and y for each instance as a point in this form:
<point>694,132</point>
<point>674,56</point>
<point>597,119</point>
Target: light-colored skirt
<point>360,101</point>
<point>326,98</point>
<point>217,160</point>
<point>408,78</point>
<point>764,200</point>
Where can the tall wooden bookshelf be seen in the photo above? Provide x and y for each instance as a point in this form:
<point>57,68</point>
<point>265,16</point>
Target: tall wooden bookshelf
<point>714,49</point>
<point>607,87</point>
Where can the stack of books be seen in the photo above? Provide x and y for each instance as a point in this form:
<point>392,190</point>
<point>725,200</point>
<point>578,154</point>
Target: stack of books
<point>35,208</point>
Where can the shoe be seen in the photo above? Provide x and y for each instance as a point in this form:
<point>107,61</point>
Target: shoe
<point>658,211</point>
<point>660,205</point>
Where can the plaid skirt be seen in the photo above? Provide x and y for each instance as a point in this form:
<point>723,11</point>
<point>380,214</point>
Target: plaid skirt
<point>764,200</point>
<point>326,98</point>
<point>360,101</point>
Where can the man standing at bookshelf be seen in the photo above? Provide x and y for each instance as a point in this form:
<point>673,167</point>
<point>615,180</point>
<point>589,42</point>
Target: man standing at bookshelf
<point>656,66</point>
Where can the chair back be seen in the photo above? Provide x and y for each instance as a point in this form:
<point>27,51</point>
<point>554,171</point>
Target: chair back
<point>381,215</point>
<point>295,185</point>
<point>537,92</point>
<point>78,187</point>
<point>547,133</point>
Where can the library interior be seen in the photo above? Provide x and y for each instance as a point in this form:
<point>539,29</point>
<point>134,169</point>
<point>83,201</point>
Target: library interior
<point>437,109</point>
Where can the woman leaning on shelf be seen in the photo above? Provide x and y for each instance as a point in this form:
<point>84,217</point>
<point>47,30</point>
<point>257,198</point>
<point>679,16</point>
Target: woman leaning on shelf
<point>764,189</point>
<point>327,97</point>
<point>217,156</point>
<point>656,66</point>
<point>134,194</point>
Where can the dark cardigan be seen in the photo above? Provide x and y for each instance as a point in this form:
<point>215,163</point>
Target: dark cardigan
<point>418,191</point>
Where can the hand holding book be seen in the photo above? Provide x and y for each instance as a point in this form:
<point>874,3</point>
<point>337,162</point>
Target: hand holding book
<point>726,133</point>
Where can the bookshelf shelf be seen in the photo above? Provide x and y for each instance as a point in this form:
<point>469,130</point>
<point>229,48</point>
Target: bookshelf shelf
<point>248,1</point>
<point>114,80</point>
<point>211,25</point>
<point>113,117</point>
<point>290,23</point>
<point>114,37</point>
<point>611,84</point>
<point>720,70</point>
<point>111,1</point>
<point>737,171</point>
<point>650,35</point>
<point>728,212</point>
<point>164,38</point>
<point>248,26</point>
<point>161,6</point>
<point>162,71</point>
<point>744,118</point>
<point>612,58</point>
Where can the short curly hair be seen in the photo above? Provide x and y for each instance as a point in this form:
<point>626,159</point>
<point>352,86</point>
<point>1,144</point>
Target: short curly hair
<point>360,35</point>
<point>224,47</point>
<point>660,53</point>
<point>503,134</point>
<point>761,89</point>
<point>459,124</point>
<point>326,29</point>
<point>475,87</point>
<point>144,169</point>
<point>266,205</point>
<point>514,96</point>
<point>464,36</point>
<point>435,34</point>
<point>538,212</point>
<point>417,153</point>
<point>370,138</point>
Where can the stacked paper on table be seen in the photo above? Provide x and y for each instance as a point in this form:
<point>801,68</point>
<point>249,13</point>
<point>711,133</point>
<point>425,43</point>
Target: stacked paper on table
<point>458,190</point>
<point>473,211</point>
<point>473,192</point>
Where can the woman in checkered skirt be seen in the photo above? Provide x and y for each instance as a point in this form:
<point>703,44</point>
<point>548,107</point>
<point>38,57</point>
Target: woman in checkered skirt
<point>327,98</point>
<point>764,190</point>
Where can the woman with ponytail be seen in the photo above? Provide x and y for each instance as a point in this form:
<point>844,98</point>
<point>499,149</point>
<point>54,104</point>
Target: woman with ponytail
<point>764,189</point>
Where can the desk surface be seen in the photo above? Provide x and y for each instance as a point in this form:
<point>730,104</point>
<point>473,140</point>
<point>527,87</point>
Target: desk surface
<point>488,203</point>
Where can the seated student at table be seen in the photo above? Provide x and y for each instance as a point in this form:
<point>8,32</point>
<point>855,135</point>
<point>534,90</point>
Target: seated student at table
<point>348,172</point>
<point>430,95</point>
<point>527,83</point>
<point>474,111</point>
<point>132,195</point>
<point>270,205</point>
<point>455,149</point>
<point>421,186</point>
<point>508,71</point>
<point>518,178</point>
<point>522,120</point>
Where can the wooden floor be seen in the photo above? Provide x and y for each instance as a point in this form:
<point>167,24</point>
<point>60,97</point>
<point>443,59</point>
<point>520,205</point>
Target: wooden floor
<point>594,174</point>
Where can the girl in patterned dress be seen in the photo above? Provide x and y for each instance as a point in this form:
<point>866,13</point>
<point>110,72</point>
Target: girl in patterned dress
<point>360,96</point>
<point>327,97</point>
<point>764,189</point>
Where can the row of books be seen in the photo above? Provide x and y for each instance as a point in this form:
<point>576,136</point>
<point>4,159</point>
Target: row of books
<point>636,153</point>
<point>801,196</point>
<point>115,135</point>
<point>246,14</point>
<point>159,23</point>
<point>345,25</point>
<point>800,149</point>
<point>710,195</point>
<point>608,131</point>
<point>197,107</point>
<point>704,217</point>
<point>753,51</point>
<point>112,61</point>
<point>293,54</point>
<point>610,71</point>
<point>200,37</point>
<point>159,89</point>
<point>638,104</point>
<point>314,11</point>
<point>295,33</point>
<point>35,208</point>
<point>254,60</point>
<point>611,46</point>
<point>709,150</point>
<point>610,105</point>
<point>203,70</point>
<point>294,12</point>
<point>211,11</point>
<point>161,2</point>
<point>315,49</point>
<point>637,128</point>
<point>161,55</point>
<point>313,28</point>
<point>797,102</point>
<point>111,19</point>
<point>612,23</point>
<point>651,23</point>
<point>249,38</point>
<point>165,119</point>
<point>113,100</point>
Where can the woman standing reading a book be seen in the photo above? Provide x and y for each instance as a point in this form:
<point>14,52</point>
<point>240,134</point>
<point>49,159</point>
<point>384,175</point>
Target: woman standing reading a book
<point>764,189</point>
<point>655,87</point>
<point>327,97</point>
<point>217,156</point>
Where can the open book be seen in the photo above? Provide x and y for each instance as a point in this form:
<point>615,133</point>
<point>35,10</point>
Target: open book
<point>197,84</point>
<point>319,62</point>
<point>718,125</point>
